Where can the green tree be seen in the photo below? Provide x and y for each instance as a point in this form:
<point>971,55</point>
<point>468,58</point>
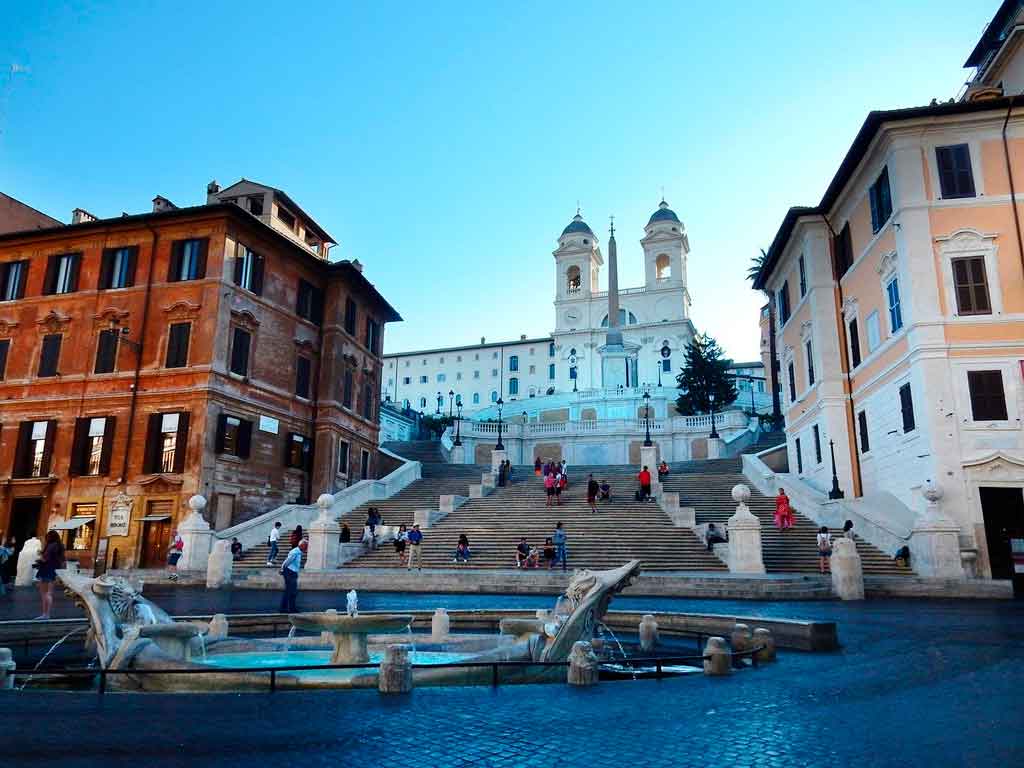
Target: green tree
<point>705,374</point>
<point>436,425</point>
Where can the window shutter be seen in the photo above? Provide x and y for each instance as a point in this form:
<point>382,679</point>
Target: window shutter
<point>133,259</point>
<point>244,439</point>
<point>76,265</point>
<point>181,442</point>
<point>240,352</point>
<point>238,265</point>
<point>50,355</point>
<point>318,307</point>
<point>307,454</point>
<point>50,280</point>
<point>302,366</point>
<point>151,462</point>
<point>204,246</point>
<point>51,435</point>
<point>106,352</point>
<point>257,275</point>
<point>174,266</point>
<point>222,423</point>
<point>21,458</point>
<point>106,269</point>
<point>77,464</point>
<point>108,444</point>
<point>5,348</point>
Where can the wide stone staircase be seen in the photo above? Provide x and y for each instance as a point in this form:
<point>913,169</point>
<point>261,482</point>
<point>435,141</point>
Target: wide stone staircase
<point>622,529</point>
<point>766,440</point>
<point>709,492</point>
<point>426,451</point>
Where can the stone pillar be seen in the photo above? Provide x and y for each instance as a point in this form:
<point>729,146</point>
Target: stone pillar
<point>219,565</point>
<point>744,535</point>
<point>741,639</point>
<point>7,668</point>
<point>457,455</point>
<point>648,633</point>
<point>488,481</point>
<point>395,675</point>
<point>764,640</point>
<point>450,502</point>
<point>716,446</point>
<point>720,662</point>
<point>29,554</point>
<point>649,458</point>
<point>323,537</point>
<point>496,458</point>
<point>935,540</point>
<point>440,626</point>
<point>583,669</point>
<point>847,574</point>
<point>198,538</point>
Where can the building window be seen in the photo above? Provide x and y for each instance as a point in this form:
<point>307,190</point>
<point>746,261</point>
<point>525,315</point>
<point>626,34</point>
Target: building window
<point>907,408</point>
<point>810,363</point>
<point>533,370</point>
<point>35,448</point>
<point>343,449</point>
<point>106,351</point>
<point>309,303</point>
<point>955,176</point>
<point>373,336</point>
<point>117,268</point>
<point>405,380</point>
<point>188,260</point>
<point>988,400</point>
<point>476,398</point>
<point>971,285</point>
<point>458,376</point>
<point>255,205</point>
<point>248,270</point>
<point>286,218</point>
<point>177,345</point>
<point>368,402</point>
<point>803,276</point>
<point>441,378</point>
<point>792,382</point>
<point>364,464</point>
<point>854,343</point>
<point>513,363</point>
<point>5,348</point>
<point>346,389</point>
<point>880,198</point>
<point>817,444</point>
<point>62,273</point>
<point>862,427</point>
<point>298,451</point>
<point>303,370</point>
<point>799,458</point>
<point>350,317</point>
<point>874,334</point>
<point>241,340</point>
<point>12,280</point>
<point>494,396</point>
<point>234,436</point>
<point>423,402</point>
<point>843,251</point>
<point>572,372</point>
<point>551,371</point>
<point>551,349</point>
<point>423,379</point>
<point>513,386</point>
<point>441,361</point>
<point>666,365</point>
<point>476,374</point>
<point>49,358</point>
<point>458,358</point>
<point>80,537</point>
<point>783,303</point>
<point>166,440</point>
<point>892,292</point>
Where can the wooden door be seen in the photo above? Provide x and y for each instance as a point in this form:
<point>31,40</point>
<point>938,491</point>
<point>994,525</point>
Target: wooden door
<point>225,511</point>
<point>156,538</point>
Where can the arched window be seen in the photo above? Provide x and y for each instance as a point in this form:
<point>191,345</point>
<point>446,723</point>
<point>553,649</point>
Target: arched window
<point>572,279</point>
<point>513,386</point>
<point>476,398</point>
<point>494,396</point>
<point>624,318</point>
<point>663,266</point>
<point>423,402</point>
<point>405,403</point>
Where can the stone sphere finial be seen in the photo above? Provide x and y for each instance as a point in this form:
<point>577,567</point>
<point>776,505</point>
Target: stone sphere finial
<point>740,493</point>
<point>932,491</point>
<point>325,501</point>
<point>197,503</point>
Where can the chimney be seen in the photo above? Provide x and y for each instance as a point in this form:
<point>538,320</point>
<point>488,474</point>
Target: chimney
<point>161,204</point>
<point>81,216</point>
<point>212,188</point>
<point>483,340</point>
<point>522,337</point>
<point>357,264</point>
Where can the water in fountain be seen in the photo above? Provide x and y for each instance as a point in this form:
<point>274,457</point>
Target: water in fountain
<point>602,628</point>
<point>412,645</point>
<point>46,655</point>
<point>288,641</point>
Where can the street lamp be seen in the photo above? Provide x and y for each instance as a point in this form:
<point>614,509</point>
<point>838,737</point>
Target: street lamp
<point>439,401</point>
<point>451,399</point>
<point>647,420</point>
<point>458,424</point>
<point>714,432</point>
<point>835,493</point>
<point>500,446</point>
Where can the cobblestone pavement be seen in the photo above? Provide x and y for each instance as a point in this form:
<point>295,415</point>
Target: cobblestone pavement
<point>916,683</point>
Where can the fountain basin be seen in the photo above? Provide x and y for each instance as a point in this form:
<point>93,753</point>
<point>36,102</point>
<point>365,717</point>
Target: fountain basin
<point>348,633</point>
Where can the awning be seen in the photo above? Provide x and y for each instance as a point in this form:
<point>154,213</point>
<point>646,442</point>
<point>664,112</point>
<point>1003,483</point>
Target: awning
<point>73,523</point>
<point>155,518</point>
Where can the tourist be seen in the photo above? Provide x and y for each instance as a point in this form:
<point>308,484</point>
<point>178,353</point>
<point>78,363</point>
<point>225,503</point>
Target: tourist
<point>236,549</point>
<point>559,541</point>
<point>295,538</point>
<point>462,552</point>
<point>533,559</point>
<point>9,570</point>
<point>508,471</point>
<point>415,540</point>
<point>902,556</point>
<point>824,542</point>
<point>714,535</point>
<point>174,555</point>
<point>592,490</point>
<point>346,534</point>
<point>848,529</point>
<point>537,466</point>
<point>275,536</point>
<point>606,491</point>
<point>522,553</point>
<point>372,521</point>
<point>547,468</point>
<point>783,511</point>
<point>549,487</point>
<point>400,542</point>
<point>290,572</point>
<point>550,553</point>
<point>6,553</point>
<point>49,562</point>
<point>645,484</point>
<point>559,487</point>
<point>662,470</point>
<point>501,474</point>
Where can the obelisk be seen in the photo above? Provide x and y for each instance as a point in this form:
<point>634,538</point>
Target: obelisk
<point>618,358</point>
<point>614,335</point>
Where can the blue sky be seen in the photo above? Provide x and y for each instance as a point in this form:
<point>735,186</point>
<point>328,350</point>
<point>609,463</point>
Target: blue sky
<point>445,145</point>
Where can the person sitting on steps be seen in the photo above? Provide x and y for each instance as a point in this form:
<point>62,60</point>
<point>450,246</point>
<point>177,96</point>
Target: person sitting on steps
<point>606,491</point>
<point>662,470</point>
<point>522,554</point>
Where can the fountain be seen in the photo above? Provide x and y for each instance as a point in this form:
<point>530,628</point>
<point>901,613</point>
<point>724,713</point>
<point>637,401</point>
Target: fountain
<point>348,633</point>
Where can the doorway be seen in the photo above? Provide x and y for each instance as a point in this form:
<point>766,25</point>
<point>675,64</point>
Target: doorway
<point>25,514</point>
<point>156,535</point>
<point>364,465</point>
<point>1003,512</point>
<point>225,511</point>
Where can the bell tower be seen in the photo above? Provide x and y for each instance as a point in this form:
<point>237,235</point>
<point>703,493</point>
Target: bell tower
<point>666,248</point>
<point>578,262</point>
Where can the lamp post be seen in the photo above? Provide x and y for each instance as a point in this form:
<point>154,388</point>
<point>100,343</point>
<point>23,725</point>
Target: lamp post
<point>835,493</point>
<point>500,446</point>
<point>647,420</point>
<point>714,432</point>
<point>451,399</point>
<point>440,400</point>
<point>458,424</point>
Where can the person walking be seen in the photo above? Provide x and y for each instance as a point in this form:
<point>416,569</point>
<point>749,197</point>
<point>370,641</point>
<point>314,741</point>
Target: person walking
<point>415,540</point>
<point>508,471</point>
<point>824,542</point>
<point>502,474</point>
<point>558,538</point>
<point>592,490</point>
<point>290,572</point>
<point>783,511</point>
<point>549,487</point>
<point>644,479</point>
<point>401,542</point>
<point>50,561</point>
<point>174,555</point>
<point>848,529</point>
<point>559,486</point>
<point>537,466</point>
<point>296,537</point>
<point>275,537</point>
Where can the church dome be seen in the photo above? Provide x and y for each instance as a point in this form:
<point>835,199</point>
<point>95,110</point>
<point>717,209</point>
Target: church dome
<point>664,213</point>
<point>577,227</point>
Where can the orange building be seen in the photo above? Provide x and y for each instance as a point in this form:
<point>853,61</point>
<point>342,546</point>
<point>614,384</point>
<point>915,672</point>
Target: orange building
<point>151,357</point>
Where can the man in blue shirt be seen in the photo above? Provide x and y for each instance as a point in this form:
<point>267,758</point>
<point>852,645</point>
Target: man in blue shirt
<point>415,539</point>
<point>559,541</point>
<point>290,571</point>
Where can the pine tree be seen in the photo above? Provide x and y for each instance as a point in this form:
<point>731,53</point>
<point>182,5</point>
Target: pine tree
<point>704,374</point>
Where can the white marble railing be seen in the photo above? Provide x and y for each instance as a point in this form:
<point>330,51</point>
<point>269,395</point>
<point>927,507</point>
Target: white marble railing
<point>679,425</point>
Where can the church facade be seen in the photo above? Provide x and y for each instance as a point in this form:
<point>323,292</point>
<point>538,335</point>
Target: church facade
<point>654,320</point>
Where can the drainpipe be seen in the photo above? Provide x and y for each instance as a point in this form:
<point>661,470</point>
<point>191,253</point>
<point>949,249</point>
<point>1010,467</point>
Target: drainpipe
<point>1013,191</point>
